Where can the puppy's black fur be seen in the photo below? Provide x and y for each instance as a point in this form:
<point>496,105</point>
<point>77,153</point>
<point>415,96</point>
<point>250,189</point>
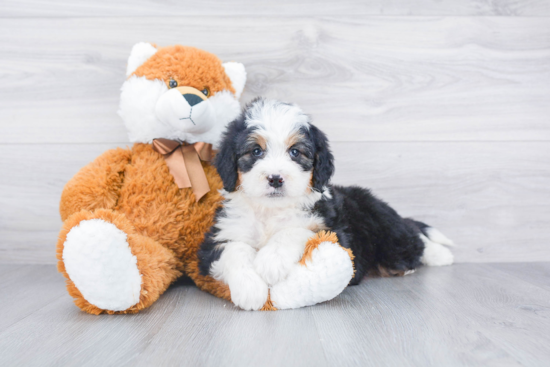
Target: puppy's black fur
<point>234,146</point>
<point>323,166</point>
<point>209,251</point>
<point>376,234</point>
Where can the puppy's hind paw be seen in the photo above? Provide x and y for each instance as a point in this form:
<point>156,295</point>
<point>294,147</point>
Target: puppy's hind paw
<point>435,254</point>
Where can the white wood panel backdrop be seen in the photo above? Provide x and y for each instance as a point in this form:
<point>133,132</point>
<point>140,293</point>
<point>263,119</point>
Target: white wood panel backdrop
<point>442,107</point>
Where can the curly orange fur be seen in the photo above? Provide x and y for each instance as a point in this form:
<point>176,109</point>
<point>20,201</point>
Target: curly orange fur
<point>165,226</point>
<point>315,241</point>
<point>268,306</point>
<point>96,186</point>
<point>189,66</point>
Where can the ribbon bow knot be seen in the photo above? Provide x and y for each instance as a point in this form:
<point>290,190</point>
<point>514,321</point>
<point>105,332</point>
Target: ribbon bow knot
<point>184,162</point>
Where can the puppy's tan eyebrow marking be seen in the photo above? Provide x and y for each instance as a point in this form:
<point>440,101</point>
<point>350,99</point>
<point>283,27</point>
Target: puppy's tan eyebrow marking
<point>294,138</point>
<point>258,139</point>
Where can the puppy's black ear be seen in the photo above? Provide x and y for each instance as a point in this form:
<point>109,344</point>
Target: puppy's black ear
<point>226,159</point>
<point>323,162</point>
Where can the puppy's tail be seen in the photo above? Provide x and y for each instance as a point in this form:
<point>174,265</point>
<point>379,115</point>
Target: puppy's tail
<point>433,234</point>
<point>435,253</point>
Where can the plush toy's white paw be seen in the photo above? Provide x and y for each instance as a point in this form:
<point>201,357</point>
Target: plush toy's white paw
<point>274,263</point>
<point>248,290</point>
<point>324,276</point>
<point>435,254</point>
<point>98,259</point>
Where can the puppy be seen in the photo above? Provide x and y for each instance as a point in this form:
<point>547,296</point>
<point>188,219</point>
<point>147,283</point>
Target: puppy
<point>276,166</point>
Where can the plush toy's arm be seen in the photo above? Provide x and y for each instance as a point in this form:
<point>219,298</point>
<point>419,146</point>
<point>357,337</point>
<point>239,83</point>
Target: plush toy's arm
<point>97,185</point>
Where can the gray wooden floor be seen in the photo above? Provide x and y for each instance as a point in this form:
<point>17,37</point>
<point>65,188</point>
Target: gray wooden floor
<point>464,315</point>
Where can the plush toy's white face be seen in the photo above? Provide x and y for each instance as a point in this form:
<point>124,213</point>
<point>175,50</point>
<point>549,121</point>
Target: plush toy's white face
<point>179,93</point>
<point>193,113</point>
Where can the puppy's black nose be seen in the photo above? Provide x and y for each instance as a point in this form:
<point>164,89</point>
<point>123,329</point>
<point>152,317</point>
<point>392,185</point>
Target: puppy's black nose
<point>275,181</point>
<point>192,99</point>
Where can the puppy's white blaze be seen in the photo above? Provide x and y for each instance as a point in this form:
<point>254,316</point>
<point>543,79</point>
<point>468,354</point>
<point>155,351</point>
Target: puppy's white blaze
<point>276,117</point>
<point>296,181</point>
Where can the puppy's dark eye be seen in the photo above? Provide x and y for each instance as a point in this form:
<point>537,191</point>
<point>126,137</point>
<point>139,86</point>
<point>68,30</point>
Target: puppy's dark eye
<point>257,152</point>
<point>205,91</point>
<point>172,83</point>
<point>294,153</point>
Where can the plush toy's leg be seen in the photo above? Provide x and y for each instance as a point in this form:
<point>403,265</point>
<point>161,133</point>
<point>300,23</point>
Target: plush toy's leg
<point>109,267</point>
<point>323,273</point>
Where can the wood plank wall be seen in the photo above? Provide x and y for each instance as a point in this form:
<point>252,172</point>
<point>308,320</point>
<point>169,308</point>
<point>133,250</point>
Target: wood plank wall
<point>441,107</point>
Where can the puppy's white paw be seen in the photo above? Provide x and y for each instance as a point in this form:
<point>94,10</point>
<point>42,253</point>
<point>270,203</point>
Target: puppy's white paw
<point>284,249</point>
<point>325,275</point>
<point>248,290</point>
<point>274,263</point>
<point>435,254</point>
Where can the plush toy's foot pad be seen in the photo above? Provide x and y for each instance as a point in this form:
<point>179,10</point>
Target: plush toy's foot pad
<point>99,261</point>
<point>322,275</point>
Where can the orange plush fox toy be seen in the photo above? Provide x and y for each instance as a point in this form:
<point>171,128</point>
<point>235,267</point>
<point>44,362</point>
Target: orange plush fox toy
<point>134,218</point>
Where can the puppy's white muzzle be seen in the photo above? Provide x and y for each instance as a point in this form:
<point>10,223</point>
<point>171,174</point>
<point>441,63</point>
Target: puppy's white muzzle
<point>174,109</point>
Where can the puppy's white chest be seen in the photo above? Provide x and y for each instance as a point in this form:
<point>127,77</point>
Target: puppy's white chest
<point>269,223</point>
<point>255,226</point>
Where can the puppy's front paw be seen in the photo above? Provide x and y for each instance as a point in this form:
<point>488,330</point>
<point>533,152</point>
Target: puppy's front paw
<point>274,263</point>
<point>248,290</point>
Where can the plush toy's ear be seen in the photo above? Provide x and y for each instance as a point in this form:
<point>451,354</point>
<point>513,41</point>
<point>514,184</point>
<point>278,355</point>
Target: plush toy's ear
<point>226,159</point>
<point>236,72</point>
<point>323,164</point>
<point>141,52</point>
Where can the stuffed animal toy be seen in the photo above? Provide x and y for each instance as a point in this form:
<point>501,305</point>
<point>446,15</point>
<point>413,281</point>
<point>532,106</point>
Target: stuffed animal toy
<point>134,218</point>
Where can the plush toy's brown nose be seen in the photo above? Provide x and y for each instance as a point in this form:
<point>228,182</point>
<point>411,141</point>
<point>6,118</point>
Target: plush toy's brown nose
<point>192,95</point>
<point>192,99</point>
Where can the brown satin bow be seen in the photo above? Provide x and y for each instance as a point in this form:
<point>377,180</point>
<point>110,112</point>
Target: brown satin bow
<point>184,162</point>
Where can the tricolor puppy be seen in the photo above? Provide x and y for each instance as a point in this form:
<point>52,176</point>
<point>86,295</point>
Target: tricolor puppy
<point>276,167</point>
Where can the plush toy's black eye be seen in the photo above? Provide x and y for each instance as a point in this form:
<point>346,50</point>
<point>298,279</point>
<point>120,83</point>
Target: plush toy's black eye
<point>173,83</point>
<point>294,152</point>
<point>205,91</point>
<point>257,152</point>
